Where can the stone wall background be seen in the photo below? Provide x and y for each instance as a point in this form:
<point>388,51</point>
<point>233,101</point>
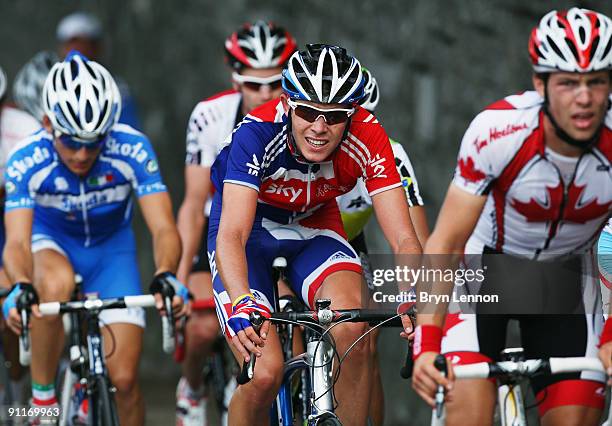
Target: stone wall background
<point>437,62</point>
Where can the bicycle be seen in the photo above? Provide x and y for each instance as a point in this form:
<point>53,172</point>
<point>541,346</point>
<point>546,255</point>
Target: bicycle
<point>509,373</point>
<point>87,373</point>
<point>316,364</point>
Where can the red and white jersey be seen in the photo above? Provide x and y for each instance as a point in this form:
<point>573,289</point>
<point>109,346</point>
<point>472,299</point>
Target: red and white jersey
<point>15,125</point>
<point>259,157</point>
<point>536,206</point>
<point>211,122</point>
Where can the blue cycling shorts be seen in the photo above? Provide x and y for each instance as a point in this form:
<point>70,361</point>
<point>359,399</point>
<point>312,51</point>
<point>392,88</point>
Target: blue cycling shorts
<point>109,269</point>
<point>604,258</point>
<point>313,250</point>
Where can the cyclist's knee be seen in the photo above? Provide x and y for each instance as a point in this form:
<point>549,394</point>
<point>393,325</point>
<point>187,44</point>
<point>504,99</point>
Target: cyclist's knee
<point>347,334</point>
<point>54,288</point>
<point>125,381</point>
<point>202,330</point>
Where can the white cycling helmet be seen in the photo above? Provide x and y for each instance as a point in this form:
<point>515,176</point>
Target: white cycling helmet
<point>80,98</point>
<point>324,74</point>
<point>576,40</point>
<point>2,83</point>
<point>28,85</point>
<point>370,87</point>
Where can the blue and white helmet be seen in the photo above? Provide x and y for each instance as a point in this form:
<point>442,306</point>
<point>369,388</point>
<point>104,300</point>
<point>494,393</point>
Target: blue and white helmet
<point>370,87</point>
<point>323,74</point>
<point>81,98</point>
<point>2,83</point>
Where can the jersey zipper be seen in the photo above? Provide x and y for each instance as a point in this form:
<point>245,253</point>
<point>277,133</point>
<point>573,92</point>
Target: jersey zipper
<point>554,226</point>
<point>308,188</point>
<point>85,218</point>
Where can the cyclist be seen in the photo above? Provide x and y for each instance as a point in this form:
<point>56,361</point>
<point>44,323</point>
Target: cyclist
<point>356,209</point>
<point>256,54</point>
<point>28,85</point>
<point>14,126</point>
<point>276,184</point>
<point>533,181</point>
<point>83,31</point>
<point>68,210</point>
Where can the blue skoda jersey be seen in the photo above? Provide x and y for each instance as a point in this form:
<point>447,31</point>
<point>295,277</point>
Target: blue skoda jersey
<point>88,209</point>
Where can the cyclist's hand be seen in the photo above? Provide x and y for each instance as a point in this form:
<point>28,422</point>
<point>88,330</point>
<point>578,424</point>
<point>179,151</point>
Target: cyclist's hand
<point>605,355</point>
<point>167,282</point>
<point>246,340</point>
<point>407,320</point>
<point>426,377</point>
<point>9,306</point>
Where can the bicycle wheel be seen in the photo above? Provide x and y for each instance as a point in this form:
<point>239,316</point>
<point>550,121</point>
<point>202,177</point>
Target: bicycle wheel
<point>104,410</point>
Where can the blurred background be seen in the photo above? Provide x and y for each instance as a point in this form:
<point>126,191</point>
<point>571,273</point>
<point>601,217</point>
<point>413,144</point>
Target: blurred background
<point>437,62</point>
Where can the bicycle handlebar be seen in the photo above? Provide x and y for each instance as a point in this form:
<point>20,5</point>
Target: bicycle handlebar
<point>527,368</point>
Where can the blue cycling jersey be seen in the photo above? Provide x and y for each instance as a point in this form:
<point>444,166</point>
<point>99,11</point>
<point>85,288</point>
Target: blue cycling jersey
<point>91,208</point>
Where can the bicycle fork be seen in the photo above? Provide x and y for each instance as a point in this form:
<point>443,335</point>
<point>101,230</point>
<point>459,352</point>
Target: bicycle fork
<point>320,358</point>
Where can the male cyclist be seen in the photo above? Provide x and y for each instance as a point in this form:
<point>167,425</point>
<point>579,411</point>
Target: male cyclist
<point>68,210</point>
<point>533,182</point>
<point>256,54</point>
<point>356,209</point>
<point>277,183</point>
<point>14,126</point>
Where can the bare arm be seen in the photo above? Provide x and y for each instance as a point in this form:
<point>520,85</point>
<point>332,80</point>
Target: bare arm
<point>456,221</point>
<point>394,219</point>
<point>191,216</point>
<point>237,216</point>
<point>17,254</point>
<point>157,211</point>
<point>419,221</point>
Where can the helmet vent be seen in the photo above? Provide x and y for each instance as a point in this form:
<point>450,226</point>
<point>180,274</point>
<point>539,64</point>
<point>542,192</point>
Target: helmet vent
<point>593,48</point>
<point>606,50</point>
<point>554,46</point>
<point>582,35</point>
<point>88,112</point>
<point>571,47</point>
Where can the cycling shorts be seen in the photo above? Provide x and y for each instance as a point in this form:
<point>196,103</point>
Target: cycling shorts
<point>109,268</point>
<point>312,254</point>
<point>200,260</point>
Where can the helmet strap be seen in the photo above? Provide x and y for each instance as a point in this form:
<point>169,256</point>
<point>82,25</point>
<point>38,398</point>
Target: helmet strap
<point>583,144</point>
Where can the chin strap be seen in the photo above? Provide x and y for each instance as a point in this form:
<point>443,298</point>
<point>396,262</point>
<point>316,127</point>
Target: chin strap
<point>583,144</point>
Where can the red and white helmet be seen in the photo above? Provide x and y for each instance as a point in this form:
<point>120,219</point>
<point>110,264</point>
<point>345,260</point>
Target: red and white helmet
<point>576,40</point>
<point>259,45</point>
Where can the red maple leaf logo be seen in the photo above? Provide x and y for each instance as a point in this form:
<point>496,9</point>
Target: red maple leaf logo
<point>468,170</point>
<point>581,212</point>
<point>574,211</point>
<point>534,211</point>
<point>451,321</point>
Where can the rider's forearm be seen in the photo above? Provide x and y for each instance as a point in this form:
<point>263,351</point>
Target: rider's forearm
<point>440,255</point>
<point>166,249</point>
<point>190,224</point>
<point>17,258</point>
<point>231,263</point>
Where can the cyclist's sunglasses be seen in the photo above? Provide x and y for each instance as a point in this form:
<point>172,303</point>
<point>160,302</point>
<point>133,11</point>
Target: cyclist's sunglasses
<point>76,144</point>
<point>255,83</point>
<point>311,113</point>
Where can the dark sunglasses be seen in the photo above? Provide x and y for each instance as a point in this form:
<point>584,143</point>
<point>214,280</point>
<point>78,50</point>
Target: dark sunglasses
<point>274,82</point>
<point>311,113</point>
<point>76,144</point>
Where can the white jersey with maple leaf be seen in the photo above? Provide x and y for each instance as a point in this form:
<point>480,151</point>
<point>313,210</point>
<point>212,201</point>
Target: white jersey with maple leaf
<point>530,210</point>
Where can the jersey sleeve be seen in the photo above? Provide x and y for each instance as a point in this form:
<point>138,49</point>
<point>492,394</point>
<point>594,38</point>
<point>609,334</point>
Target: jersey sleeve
<point>407,175</point>
<point>380,171</point>
<point>476,168</point>
<point>245,164</point>
<point>147,177</point>
<point>17,183</point>
<point>201,139</point>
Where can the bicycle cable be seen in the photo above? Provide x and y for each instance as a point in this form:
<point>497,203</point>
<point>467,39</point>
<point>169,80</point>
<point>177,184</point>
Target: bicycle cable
<point>112,336</point>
